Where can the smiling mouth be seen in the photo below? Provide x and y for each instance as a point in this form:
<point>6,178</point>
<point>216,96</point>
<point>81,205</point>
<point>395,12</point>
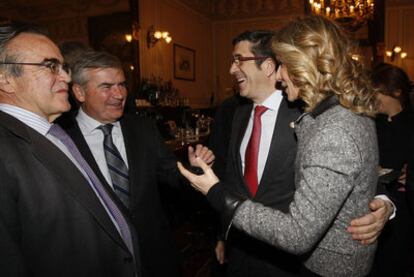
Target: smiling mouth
<point>240,80</point>
<point>116,105</point>
<point>62,91</point>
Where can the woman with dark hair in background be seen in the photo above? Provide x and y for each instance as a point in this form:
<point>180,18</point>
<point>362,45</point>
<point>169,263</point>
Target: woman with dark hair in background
<point>394,124</point>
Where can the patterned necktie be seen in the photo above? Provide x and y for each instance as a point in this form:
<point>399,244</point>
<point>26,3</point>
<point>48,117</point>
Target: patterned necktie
<point>112,208</point>
<point>116,165</point>
<point>252,152</point>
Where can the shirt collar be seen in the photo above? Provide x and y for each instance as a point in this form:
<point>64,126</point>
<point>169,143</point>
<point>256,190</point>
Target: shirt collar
<point>273,101</point>
<point>34,121</point>
<point>90,124</point>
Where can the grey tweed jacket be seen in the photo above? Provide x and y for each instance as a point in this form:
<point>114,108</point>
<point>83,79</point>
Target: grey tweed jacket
<point>336,176</point>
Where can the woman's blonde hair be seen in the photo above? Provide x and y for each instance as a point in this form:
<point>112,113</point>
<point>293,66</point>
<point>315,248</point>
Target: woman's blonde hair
<point>317,56</point>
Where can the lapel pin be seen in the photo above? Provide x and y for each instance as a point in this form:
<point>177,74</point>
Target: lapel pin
<point>292,125</point>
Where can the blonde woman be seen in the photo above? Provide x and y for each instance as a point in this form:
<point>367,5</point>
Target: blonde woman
<point>336,162</point>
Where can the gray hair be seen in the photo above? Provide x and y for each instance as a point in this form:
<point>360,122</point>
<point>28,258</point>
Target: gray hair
<point>8,31</point>
<point>92,60</point>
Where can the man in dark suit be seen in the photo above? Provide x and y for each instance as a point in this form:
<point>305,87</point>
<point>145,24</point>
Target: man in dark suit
<point>99,86</point>
<point>55,217</point>
<point>254,68</point>
<point>220,132</point>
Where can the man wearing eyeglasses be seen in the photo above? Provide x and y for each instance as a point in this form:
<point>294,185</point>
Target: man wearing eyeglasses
<point>261,159</point>
<point>55,217</point>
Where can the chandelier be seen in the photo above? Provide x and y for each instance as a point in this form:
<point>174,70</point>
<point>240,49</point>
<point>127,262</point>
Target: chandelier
<point>351,14</point>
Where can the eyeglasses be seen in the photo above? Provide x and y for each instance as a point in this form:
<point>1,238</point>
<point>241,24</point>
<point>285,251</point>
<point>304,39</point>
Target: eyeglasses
<point>237,60</point>
<point>54,65</point>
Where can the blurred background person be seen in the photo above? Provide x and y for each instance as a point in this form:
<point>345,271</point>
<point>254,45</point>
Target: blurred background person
<point>394,124</point>
<point>72,50</point>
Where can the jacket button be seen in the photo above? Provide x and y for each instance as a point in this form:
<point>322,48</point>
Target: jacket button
<point>128,260</point>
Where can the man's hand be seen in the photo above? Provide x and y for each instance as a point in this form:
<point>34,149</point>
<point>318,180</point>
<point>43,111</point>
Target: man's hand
<point>201,152</point>
<point>220,252</point>
<point>367,229</point>
<point>202,183</point>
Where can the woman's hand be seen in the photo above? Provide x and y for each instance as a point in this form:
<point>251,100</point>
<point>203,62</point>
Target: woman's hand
<point>202,183</point>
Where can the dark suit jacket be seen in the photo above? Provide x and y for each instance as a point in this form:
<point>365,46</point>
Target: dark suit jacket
<point>149,163</point>
<point>51,222</point>
<point>221,131</point>
<point>276,188</point>
<point>410,176</point>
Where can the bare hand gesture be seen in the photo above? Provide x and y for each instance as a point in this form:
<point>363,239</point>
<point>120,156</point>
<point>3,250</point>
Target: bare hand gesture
<point>201,152</point>
<point>202,183</point>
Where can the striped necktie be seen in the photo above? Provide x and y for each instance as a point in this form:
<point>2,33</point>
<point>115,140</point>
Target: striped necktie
<point>116,165</point>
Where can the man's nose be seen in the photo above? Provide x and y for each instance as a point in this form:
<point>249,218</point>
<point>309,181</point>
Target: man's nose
<point>233,68</point>
<point>64,76</point>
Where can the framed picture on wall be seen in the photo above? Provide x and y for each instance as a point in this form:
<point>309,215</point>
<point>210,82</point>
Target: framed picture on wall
<point>184,63</point>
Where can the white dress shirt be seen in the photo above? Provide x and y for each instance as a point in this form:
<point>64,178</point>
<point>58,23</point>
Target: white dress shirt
<point>268,123</point>
<point>94,138</point>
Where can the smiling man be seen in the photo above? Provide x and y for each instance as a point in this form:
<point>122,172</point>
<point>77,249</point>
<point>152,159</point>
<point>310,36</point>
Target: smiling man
<point>128,155</point>
<point>261,159</point>
<point>266,174</point>
<point>55,217</point>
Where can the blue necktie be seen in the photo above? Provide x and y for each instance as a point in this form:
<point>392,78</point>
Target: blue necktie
<point>112,208</point>
<point>116,165</point>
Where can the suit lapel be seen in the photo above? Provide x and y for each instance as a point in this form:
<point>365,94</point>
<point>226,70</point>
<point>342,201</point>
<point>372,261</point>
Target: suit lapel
<point>278,150</point>
<point>70,178</point>
<point>134,144</point>
<point>240,127</point>
<point>77,137</point>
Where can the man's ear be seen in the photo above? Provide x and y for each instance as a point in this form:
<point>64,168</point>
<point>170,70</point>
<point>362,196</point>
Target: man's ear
<point>6,83</point>
<point>78,92</point>
<point>269,67</point>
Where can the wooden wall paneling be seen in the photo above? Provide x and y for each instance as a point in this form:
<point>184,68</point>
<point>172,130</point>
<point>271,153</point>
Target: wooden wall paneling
<point>399,19</point>
<point>223,50</point>
<point>148,15</point>
<point>408,40</point>
<point>192,30</point>
<point>187,28</point>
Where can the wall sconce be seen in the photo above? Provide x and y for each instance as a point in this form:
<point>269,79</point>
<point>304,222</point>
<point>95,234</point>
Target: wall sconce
<point>395,52</point>
<point>128,37</point>
<point>153,36</point>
